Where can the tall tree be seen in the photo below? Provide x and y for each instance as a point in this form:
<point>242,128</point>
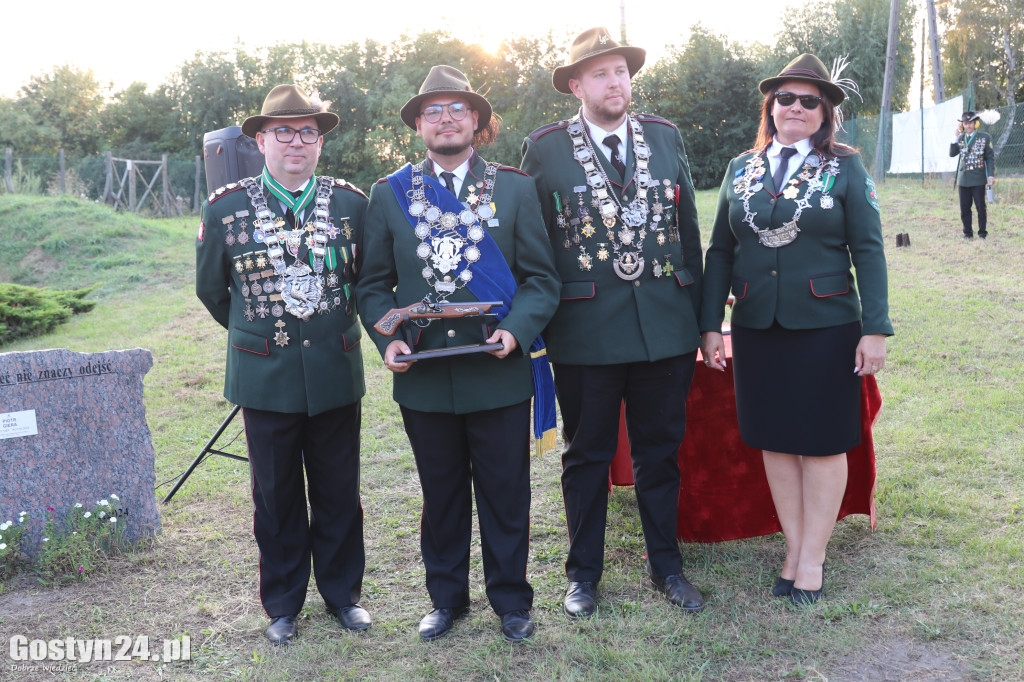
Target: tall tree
<point>708,89</point>
<point>984,44</point>
<point>66,103</point>
<point>856,29</point>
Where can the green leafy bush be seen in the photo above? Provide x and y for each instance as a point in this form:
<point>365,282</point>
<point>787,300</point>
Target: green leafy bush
<point>27,311</point>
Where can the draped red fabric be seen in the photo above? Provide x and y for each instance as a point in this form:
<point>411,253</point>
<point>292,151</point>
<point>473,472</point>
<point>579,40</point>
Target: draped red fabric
<point>724,494</point>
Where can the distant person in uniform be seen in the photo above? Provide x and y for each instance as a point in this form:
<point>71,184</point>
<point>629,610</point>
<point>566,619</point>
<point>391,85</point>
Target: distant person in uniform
<point>275,266</point>
<point>797,215</point>
<point>454,228</point>
<point>618,202</point>
<point>976,171</point>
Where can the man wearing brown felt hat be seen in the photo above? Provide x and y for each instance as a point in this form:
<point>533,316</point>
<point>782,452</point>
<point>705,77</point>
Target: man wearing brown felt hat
<point>275,264</point>
<point>454,228</point>
<point>618,202</point>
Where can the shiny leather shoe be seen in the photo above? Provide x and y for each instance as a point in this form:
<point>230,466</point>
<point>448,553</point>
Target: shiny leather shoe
<point>439,622</point>
<point>281,630</point>
<point>580,599</point>
<point>782,587</point>
<point>680,592</point>
<point>353,617</point>
<point>517,625</point>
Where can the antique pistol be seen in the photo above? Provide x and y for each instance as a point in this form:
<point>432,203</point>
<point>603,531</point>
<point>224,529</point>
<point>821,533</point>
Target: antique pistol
<point>428,310</point>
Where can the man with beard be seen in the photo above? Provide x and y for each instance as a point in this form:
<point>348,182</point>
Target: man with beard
<point>454,228</point>
<point>617,198</point>
<point>274,266</point>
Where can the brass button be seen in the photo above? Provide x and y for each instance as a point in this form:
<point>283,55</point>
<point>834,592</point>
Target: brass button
<point>451,333</point>
<point>774,273</point>
<point>636,282</point>
<point>772,201</point>
<point>305,344</point>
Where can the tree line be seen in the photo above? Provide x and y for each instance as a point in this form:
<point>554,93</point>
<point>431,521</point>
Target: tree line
<point>707,86</point>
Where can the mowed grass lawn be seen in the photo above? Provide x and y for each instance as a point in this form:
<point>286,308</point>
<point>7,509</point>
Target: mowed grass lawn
<point>935,592</point>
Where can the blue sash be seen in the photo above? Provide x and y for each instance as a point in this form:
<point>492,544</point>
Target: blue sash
<point>492,281</point>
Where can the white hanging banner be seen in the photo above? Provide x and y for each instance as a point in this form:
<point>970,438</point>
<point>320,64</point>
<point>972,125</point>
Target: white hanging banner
<point>939,129</point>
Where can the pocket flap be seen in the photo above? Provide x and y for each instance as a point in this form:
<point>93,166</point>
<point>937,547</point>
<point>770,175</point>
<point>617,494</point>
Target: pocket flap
<point>683,276</point>
<point>249,342</point>
<point>575,290</point>
<point>739,288</point>
<point>829,284</point>
<point>350,339</point>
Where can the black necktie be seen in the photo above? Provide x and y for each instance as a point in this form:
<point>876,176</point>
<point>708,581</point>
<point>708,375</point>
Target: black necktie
<point>289,216</point>
<point>780,171</point>
<point>449,181</point>
<point>612,142</point>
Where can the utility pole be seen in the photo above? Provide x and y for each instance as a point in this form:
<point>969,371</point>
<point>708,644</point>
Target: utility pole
<point>887,85</point>
<point>622,22</point>
<point>938,88</point>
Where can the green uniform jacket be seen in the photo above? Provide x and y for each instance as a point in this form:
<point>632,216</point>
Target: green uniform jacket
<point>321,367</point>
<point>392,277</point>
<point>602,319</point>
<point>977,159</point>
<point>808,283</point>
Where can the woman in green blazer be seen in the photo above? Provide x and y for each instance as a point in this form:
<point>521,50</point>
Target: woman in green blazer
<point>796,215</point>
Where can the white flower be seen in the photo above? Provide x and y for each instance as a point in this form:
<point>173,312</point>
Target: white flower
<point>86,515</point>
<point>113,519</point>
<point>5,526</point>
<point>103,503</point>
<point>78,505</point>
<point>24,513</point>
<point>3,545</point>
<point>102,514</point>
<point>46,539</point>
<point>114,497</point>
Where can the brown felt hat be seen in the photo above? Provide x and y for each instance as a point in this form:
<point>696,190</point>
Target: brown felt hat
<point>595,42</point>
<point>809,69</point>
<point>290,101</point>
<point>447,80</point>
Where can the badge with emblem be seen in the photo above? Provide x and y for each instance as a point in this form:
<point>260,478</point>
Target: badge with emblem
<point>281,337</point>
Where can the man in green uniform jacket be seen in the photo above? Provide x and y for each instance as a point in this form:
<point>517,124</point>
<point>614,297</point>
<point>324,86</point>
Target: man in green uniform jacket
<point>976,171</point>
<point>619,206</point>
<point>444,229</point>
<point>275,263</point>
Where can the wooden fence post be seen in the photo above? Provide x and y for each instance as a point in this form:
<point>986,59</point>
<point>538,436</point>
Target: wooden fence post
<point>7,171</point>
<point>131,187</point>
<point>108,185</point>
<point>63,181</point>
<point>195,201</point>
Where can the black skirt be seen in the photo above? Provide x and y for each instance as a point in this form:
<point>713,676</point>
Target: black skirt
<point>796,392</point>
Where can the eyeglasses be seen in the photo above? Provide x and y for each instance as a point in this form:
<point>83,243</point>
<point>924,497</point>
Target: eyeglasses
<point>285,135</point>
<point>457,110</point>
<point>787,99</point>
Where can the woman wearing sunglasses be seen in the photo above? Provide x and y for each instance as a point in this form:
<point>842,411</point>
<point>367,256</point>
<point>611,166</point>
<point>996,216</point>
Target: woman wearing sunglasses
<point>796,216</point>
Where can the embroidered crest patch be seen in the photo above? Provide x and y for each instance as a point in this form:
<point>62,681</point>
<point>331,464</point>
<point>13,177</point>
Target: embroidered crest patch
<point>872,194</point>
<point>202,229</point>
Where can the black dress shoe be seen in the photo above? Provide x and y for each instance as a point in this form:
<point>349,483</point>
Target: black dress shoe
<point>802,597</point>
<point>782,587</point>
<point>580,599</point>
<point>281,630</point>
<point>680,592</point>
<point>353,617</point>
<point>517,625</point>
<point>439,622</point>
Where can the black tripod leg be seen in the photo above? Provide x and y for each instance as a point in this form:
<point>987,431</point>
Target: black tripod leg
<point>207,448</point>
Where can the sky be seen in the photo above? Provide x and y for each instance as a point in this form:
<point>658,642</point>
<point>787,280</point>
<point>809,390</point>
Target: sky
<point>125,41</point>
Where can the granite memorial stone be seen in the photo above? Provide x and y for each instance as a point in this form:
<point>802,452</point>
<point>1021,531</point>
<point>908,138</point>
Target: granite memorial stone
<point>73,430</point>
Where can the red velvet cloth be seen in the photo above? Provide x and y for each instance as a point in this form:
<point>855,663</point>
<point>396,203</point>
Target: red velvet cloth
<point>723,494</point>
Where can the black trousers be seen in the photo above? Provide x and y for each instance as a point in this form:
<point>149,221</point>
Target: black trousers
<point>975,195</point>
<point>590,397</point>
<point>327,447</point>
<point>486,452</point>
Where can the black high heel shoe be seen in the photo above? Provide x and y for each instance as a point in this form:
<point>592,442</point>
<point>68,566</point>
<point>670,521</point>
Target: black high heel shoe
<point>782,587</point>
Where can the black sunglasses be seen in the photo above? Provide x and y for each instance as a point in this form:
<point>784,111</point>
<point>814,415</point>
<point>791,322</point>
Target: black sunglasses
<point>806,101</point>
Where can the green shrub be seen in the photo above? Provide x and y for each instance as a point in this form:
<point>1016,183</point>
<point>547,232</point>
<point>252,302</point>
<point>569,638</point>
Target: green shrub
<point>27,311</point>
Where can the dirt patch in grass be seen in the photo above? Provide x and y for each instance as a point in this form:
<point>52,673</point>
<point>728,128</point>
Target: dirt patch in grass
<point>900,660</point>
